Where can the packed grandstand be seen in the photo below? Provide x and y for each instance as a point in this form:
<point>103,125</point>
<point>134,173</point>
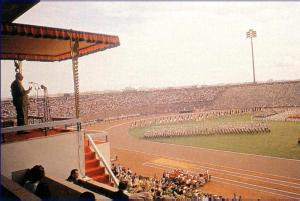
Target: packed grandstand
<point>118,104</point>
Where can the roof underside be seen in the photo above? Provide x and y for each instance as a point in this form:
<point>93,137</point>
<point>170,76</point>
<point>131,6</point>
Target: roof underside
<point>37,43</point>
<point>11,10</point>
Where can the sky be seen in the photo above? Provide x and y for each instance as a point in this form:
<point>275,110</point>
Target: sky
<point>168,44</point>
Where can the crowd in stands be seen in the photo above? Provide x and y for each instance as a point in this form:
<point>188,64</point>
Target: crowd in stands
<point>172,100</point>
<point>176,184</point>
<point>265,95</point>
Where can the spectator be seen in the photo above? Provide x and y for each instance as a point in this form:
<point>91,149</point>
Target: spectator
<point>120,195</point>
<point>87,196</point>
<point>234,197</point>
<point>74,177</point>
<point>34,184</point>
<point>43,191</point>
<point>34,177</point>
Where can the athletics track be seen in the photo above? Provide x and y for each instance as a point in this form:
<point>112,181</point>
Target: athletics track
<point>248,175</point>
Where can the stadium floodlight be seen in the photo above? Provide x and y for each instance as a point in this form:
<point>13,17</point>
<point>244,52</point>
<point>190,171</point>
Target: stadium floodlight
<point>252,34</point>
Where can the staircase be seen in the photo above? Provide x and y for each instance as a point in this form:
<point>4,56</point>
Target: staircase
<point>93,169</point>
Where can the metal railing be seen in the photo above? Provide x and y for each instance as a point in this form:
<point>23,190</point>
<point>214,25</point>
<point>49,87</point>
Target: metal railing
<point>102,159</point>
<point>45,126</point>
<point>97,135</point>
<point>40,125</point>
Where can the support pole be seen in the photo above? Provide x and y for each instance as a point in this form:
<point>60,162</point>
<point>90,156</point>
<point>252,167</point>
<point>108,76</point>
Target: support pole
<point>252,34</point>
<point>74,54</point>
<point>253,61</point>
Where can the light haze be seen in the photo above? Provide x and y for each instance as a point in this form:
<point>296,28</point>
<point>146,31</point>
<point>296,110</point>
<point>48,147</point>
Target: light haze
<point>168,44</point>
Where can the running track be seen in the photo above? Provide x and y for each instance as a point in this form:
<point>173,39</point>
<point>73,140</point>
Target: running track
<point>271,177</point>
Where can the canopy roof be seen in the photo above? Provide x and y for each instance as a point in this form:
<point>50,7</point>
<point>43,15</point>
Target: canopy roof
<point>38,43</point>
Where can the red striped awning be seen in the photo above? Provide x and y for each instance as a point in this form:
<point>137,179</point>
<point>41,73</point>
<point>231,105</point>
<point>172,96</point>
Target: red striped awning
<point>37,43</point>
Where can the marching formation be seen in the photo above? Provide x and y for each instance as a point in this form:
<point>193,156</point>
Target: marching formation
<point>175,131</point>
<point>178,118</point>
<point>197,131</point>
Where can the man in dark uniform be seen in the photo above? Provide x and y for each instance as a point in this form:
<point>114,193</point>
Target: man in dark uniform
<point>20,99</point>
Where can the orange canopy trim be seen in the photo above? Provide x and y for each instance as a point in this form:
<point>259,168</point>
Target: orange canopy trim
<point>37,43</point>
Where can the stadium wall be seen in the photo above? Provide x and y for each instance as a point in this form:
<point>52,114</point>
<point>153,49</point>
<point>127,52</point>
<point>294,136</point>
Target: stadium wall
<point>57,154</point>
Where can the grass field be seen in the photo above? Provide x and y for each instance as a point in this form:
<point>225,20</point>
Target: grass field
<point>280,142</point>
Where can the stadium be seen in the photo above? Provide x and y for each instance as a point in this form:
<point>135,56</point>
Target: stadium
<point>214,142</point>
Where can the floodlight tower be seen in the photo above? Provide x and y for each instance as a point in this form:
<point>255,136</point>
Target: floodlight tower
<point>252,34</point>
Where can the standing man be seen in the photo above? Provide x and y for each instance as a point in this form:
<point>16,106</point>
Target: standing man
<point>20,99</point>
